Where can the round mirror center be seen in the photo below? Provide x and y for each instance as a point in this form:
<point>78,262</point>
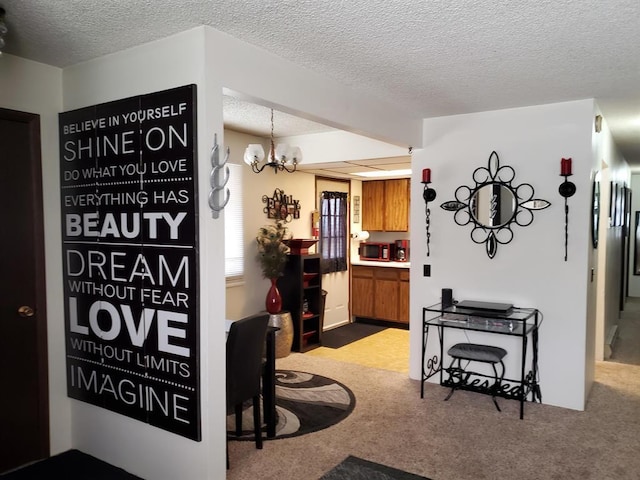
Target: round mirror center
<point>493,205</point>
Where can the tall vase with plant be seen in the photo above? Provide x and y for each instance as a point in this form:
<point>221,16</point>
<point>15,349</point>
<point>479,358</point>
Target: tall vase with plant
<point>272,255</point>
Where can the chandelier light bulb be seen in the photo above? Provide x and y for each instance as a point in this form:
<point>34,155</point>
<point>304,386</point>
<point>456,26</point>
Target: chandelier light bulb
<point>282,153</point>
<point>253,154</point>
<point>295,155</point>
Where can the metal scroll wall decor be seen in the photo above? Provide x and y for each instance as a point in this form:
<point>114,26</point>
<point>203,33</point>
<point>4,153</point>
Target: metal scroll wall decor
<point>429,195</point>
<point>494,204</point>
<point>281,207</point>
<point>218,179</point>
<point>566,190</point>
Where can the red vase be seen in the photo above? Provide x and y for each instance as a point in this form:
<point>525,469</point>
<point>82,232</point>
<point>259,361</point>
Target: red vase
<point>274,300</point>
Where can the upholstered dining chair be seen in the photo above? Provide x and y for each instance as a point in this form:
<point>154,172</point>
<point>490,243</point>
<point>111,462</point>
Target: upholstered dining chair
<point>245,346</point>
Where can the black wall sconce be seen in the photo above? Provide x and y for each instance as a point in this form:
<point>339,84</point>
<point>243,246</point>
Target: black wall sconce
<point>429,195</point>
<point>566,189</point>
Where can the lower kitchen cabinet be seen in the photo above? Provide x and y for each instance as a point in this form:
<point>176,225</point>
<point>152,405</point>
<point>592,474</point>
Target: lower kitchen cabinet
<point>362,291</point>
<point>403,289</point>
<point>380,293</point>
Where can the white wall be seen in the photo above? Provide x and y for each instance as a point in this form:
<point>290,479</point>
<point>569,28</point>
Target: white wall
<point>36,88</point>
<point>135,446</point>
<point>530,271</point>
<point>342,146</point>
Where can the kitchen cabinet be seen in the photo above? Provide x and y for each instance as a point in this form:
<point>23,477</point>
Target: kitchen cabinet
<point>301,290</point>
<point>385,205</point>
<point>380,293</point>
<point>373,205</point>
<point>403,293</point>
<point>362,291</point>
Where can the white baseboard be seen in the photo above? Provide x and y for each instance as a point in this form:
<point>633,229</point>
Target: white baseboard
<point>335,325</point>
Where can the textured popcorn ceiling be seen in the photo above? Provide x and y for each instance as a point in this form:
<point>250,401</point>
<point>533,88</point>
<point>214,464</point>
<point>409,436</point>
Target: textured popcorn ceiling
<point>430,57</point>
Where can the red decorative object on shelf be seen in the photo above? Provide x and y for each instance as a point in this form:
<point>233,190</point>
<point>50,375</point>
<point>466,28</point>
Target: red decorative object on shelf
<point>273,302</point>
<point>300,246</point>
<point>307,277</point>
<point>307,337</point>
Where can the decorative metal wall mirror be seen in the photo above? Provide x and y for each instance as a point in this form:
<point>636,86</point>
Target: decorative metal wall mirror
<point>494,204</point>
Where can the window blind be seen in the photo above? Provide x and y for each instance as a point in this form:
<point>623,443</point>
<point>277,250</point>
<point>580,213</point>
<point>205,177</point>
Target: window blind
<point>234,228</point>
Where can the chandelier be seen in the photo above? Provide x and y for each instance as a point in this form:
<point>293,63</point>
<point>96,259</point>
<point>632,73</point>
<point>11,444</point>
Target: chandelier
<point>281,156</point>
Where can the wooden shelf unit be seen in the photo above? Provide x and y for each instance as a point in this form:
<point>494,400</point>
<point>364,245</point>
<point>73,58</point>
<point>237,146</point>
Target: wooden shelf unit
<point>307,330</point>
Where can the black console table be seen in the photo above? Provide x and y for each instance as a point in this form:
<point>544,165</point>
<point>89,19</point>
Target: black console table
<point>518,322</point>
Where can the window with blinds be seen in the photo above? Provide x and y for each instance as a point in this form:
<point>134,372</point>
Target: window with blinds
<point>234,228</point>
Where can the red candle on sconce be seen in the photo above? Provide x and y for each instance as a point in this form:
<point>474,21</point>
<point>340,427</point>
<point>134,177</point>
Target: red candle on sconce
<point>565,166</point>
<point>426,175</point>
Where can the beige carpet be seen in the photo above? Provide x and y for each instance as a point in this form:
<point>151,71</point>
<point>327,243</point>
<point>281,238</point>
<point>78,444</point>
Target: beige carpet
<point>465,438</point>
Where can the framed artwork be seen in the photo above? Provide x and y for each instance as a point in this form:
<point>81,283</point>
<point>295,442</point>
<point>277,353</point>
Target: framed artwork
<point>622,201</point>
<point>614,204</point>
<point>611,204</point>
<point>128,195</point>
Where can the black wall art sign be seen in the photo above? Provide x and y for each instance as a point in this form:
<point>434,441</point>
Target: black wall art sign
<point>130,257</point>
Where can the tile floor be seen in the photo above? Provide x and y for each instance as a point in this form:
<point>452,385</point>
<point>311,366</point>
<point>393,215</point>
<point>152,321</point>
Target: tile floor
<point>387,350</point>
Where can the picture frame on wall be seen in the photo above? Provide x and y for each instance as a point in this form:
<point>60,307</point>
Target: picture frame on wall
<point>622,205</point>
<point>618,205</point>
<point>627,212</point>
<point>151,372</point>
<point>611,204</point>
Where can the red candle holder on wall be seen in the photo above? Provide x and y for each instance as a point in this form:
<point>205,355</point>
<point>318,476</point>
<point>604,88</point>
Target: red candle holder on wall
<point>429,195</point>
<point>566,189</point>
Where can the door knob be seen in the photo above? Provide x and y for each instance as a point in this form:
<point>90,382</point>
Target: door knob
<point>25,311</point>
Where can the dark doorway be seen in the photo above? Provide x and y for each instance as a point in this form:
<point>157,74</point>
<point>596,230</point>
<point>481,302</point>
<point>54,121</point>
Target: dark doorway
<point>24,398</point>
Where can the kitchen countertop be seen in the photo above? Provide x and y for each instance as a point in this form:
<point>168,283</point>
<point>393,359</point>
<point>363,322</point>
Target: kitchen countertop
<point>373,263</point>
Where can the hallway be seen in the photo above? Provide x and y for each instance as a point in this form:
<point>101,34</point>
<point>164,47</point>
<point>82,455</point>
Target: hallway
<point>626,348</point>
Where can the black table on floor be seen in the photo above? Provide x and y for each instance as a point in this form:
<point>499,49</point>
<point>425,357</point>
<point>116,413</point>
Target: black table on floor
<point>517,322</point>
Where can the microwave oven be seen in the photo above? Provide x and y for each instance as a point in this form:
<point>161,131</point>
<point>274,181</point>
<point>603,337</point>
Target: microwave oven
<point>381,252</point>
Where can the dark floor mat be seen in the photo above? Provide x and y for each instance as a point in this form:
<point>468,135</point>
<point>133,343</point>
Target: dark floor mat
<point>70,465</point>
<point>341,336</point>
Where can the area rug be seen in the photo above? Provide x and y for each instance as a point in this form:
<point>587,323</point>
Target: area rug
<point>305,403</point>
<point>70,465</point>
<point>352,332</point>
<point>354,468</point>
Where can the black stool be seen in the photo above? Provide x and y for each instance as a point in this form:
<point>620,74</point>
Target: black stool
<point>475,353</point>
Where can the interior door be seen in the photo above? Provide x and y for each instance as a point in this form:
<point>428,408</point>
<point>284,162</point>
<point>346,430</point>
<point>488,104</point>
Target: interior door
<point>336,311</point>
<point>24,406</point>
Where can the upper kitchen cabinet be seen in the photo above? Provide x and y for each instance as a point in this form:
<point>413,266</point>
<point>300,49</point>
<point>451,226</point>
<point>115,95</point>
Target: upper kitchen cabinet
<point>385,205</point>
